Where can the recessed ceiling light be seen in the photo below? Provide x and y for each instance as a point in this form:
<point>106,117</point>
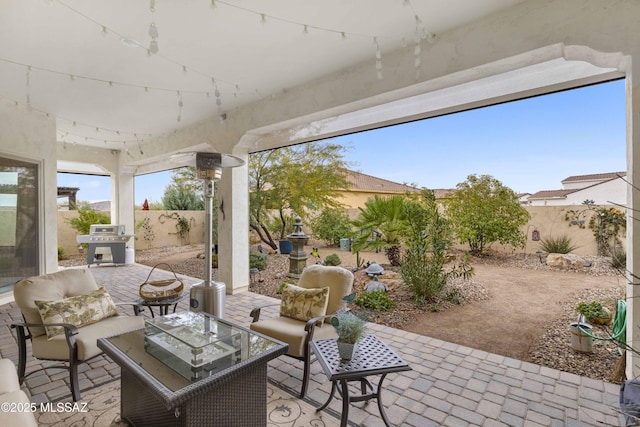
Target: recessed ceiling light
<point>129,43</point>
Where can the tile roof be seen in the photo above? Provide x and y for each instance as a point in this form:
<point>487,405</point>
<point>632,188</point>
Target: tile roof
<point>363,182</point>
<point>595,176</point>
<point>551,194</point>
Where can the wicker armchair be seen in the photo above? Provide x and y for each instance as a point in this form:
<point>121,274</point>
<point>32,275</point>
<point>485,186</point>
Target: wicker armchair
<point>298,334</point>
<point>74,343</point>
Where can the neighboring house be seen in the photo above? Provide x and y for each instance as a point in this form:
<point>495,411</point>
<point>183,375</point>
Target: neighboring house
<point>363,186</point>
<point>602,189</point>
<point>523,198</point>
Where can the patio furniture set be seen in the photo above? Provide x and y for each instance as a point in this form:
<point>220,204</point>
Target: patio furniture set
<point>187,368</point>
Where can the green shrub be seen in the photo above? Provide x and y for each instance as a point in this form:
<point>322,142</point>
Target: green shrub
<point>619,258</point>
<point>590,311</point>
<point>331,225</point>
<point>61,254</point>
<point>454,297</point>
<point>86,217</point>
<point>375,300</point>
<point>428,237</point>
<point>257,260</point>
<point>332,259</point>
<point>557,245</point>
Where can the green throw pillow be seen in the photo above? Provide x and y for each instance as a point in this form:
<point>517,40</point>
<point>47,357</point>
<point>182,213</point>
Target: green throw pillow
<point>304,304</point>
<point>79,311</point>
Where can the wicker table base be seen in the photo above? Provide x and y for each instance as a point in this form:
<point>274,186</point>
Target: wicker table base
<point>241,402</point>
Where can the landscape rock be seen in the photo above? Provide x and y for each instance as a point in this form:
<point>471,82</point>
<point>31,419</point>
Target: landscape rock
<point>565,261</point>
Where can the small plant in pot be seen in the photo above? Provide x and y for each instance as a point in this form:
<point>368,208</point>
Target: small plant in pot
<point>350,329</point>
<point>594,312</point>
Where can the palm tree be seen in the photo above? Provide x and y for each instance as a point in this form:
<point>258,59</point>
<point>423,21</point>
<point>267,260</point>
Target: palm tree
<point>381,224</point>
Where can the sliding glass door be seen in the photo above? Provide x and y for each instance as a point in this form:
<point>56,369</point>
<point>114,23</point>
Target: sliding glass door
<point>18,221</point>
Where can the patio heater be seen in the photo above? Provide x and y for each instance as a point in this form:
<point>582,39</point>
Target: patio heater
<point>209,296</point>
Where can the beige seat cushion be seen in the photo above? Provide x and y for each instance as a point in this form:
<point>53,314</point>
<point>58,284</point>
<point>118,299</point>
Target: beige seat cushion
<point>8,377</point>
<point>50,287</point>
<point>16,418</point>
<point>56,348</point>
<point>291,331</point>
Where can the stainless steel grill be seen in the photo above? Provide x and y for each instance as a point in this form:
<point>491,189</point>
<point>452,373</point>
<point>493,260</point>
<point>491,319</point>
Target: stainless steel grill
<point>103,236</point>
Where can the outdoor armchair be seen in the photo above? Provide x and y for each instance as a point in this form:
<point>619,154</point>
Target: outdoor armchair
<point>64,315</point>
<point>302,317</point>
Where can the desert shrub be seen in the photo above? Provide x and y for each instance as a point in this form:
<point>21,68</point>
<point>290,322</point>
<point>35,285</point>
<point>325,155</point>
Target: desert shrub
<point>61,254</point>
<point>257,260</point>
<point>557,245</point>
<point>428,237</point>
<point>331,225</point>
<point>87,216</point>
<point>332,259</point>
<point>454,297</point>
<point>377,300</point>
<point>619,258</point>
<point>590,311</point>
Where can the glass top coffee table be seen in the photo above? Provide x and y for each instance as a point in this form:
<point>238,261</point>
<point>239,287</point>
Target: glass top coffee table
<point>188,369</point>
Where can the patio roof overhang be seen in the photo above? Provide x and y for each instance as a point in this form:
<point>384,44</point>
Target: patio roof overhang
<point>224,81</point>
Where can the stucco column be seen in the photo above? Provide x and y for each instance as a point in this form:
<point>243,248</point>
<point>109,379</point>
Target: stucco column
<point>123,201</point>
<point>233,227</point>
<point>633,226</point>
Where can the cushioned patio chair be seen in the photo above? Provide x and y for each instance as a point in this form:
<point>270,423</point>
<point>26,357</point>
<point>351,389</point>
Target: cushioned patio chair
<point>305,312</point>
<point>64,315</point>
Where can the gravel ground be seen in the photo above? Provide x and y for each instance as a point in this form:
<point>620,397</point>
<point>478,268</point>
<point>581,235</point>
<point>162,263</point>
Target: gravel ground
<point>549,349</point>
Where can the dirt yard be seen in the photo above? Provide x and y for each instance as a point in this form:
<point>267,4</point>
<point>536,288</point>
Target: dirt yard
<point>521,305</point>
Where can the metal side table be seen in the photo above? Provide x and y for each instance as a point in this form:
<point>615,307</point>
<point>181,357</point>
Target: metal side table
<point>163,305</point>
<point>372,357</point>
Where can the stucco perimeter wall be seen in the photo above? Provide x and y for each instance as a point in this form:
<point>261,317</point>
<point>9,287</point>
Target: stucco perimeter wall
<point>154,229</point>
<point>550,223</point>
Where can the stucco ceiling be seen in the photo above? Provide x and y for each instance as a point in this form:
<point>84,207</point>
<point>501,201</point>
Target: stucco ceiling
<point>87,63</point>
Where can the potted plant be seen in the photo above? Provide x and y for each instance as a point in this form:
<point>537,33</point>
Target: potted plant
<point>350,329</point>
<point>594,313</point>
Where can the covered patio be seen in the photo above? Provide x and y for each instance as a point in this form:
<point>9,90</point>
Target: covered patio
<point>450,385</point>
<point>122,90</point>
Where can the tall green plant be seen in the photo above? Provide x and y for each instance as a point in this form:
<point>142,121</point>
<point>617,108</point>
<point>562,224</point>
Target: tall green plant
<point>298,179</point>
<point>381,225</point>
<point>185,192</point>
<point>429,236</point>
<point>607,225</point>
<point>86,217</point>
<point>483,211</point>
<point>331,225</point>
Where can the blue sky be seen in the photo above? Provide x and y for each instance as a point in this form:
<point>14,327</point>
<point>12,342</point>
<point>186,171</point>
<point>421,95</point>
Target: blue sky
<point>528,145</point>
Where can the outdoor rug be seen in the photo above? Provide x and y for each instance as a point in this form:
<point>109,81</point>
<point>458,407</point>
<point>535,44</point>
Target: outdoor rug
<point>102,406</point>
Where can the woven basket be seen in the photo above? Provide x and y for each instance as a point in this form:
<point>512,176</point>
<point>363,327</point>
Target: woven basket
<point>159,290</point>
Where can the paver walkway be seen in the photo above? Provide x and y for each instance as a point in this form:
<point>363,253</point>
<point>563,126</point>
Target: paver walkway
<point>450,385</point>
